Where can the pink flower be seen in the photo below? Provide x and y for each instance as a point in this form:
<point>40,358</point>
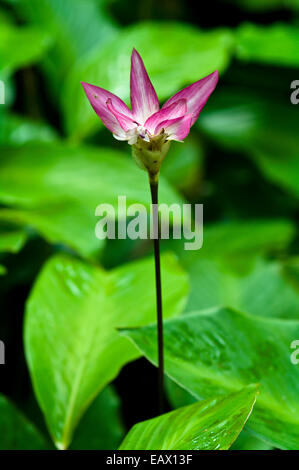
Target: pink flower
<point>146,120</point>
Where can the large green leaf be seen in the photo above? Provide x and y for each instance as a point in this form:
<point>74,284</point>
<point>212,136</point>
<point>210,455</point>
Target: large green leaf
<point>212,424</point>
<point>241,238</point>
<point>235,117</point>
<point>246,440</point>
<point>174,54</point>
<point>17,433</point>
<point>212,352</point>
<point>71,344</point>
<point>21,46</point>
<point>243,118</point>
<point>236,244</point>
<point>278,159</point>
<point>12,241</point>
<point>276,44</point>
<point>182,166</point>
<point>75,30</point>
<point>56,189</point>
<point>264,290</point>
<point>264,128</point>
<point>17,130</point>
<point>101,427</point>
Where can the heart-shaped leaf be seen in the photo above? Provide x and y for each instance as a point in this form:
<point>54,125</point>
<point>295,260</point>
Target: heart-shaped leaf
<point>72,347</point>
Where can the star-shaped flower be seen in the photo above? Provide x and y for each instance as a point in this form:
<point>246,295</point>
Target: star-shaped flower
<point>146,120</point>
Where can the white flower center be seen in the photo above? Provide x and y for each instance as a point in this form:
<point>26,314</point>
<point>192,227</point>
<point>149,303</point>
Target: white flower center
<point>141,130</point>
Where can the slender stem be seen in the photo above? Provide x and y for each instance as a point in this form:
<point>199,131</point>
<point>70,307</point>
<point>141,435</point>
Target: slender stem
<point>156,231</point>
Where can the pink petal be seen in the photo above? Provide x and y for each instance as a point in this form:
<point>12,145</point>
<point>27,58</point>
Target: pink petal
<point>175,110</point>
<point>144,99</point>
<point>98,98</point>
<point>196,95</point>
<point>125,122</point>
<point>177,129</point>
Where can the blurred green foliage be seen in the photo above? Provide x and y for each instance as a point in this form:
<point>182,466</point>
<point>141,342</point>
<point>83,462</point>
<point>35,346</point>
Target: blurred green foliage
<point>57,163</point>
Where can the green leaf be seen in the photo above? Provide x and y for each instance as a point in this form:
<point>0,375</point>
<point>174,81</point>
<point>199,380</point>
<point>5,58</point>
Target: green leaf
<point>179,396</point>
<point>277,44</point>
<point>235,245</point>
<point>183,164</point>
<point>212,424</point>
<point>278,159</point>
<point>56,189</point>
<point>218,351</point>
<point>214,285</point>
<point>21,46</point>
<point>17,433</point>
<point>241,238</point>
<point>101,427</point>
<point>72,347</point>
<point>12,241</point>
<point>234,117</point>
<point>263,128</point>
<point>76,31</point>
<point>17,130</point>
<point>2,270</point>
<point>174,54</point>
<point>242,118</point>
<point>247,441</point>
<point>67,223</point>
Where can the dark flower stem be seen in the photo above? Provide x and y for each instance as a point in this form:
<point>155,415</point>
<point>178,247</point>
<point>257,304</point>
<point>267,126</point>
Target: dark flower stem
<point>156,232</point>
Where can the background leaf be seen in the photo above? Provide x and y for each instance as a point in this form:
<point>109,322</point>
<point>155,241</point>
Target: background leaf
<point>17,130</point>
<point>20,47</point>
<point>12,240</point>
<point>101,427</point>
<point>54,197</point>
<point>17,433</point>
<point>275,44</point>
<point>75,30</point>
<point>248,441</point>
<point>263,128</point>
<point>214,285</point>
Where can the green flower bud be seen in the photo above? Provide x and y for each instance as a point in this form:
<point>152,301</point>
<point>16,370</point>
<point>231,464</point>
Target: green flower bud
<point>150,154</point>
